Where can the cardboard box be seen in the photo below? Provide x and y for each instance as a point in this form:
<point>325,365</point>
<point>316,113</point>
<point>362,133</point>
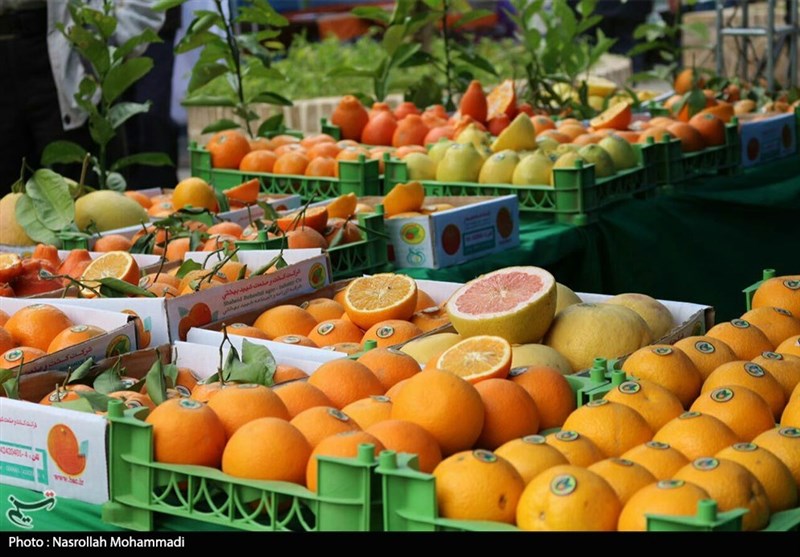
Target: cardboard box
<point>120,334</point>
<point>163,318</point>
<point>767,139</point>
<point>439,291</point>
<point>476,227</point>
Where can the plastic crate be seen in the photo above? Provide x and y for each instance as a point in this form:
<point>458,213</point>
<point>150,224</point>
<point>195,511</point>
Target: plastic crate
<point>370,255</point>
<point>361,177</point>
<point>576,197</point>
<point>141,488</point>
<point>766,274</point>
<point>674,167</point>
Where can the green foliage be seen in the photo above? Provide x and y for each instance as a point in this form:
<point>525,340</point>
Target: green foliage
<point>113,71</point>
<point>234,70</point>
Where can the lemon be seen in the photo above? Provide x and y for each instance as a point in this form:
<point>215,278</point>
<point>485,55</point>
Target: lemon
<point>499,168</point>
<point>600,87</point>
<point>11,233</point>
<point>420,167</point>
<point>474,135</point>
<point>523,355</point>
<point>461,163</point>
<point>603,164</point>
<point>534,170</point>
<point>108,210</point>
<point>437,150</point>
<point>520,135</point>
<point>426,348</point>
<point>620,151</point>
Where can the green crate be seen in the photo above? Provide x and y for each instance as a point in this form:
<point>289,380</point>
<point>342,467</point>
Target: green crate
<point>361,177</point>
<point>370,255</point>
<point>766,274</point>
<point>674,167</point>
<point>140,488</point>
<point>577,196</point>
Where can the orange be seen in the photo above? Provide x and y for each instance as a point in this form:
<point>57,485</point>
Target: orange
<point>343,206</point>
<point>391,332</point>
<point>47,252</point>
<point>290,148</point>
<point>667,497</point>
<point>7,342</point>
<point>588,138</point>
<point>194,192</point>
<point>345,381</point>
<point>64,394</point>
<point>328,150</point>
<point>550,391</point>
<point>555,135</point>
<point>323,309</point>
<point>568,498</point>
<point>139,198</point>
<point>72,336</point>
<point>623,475</point>
<point>784,368</point>
<point>430,318</point>
<point>3,318</point>
<point>789,346</point>
<point>657,133</point>
<point>710,126</point>
<point>227,149</point>
<point>577,449</point>
<point>404,109</point>
<point>316,139</point>
<point>780,292</point>
<point>573,131</point>
<point>404,198</point>
<point>187,432</point>
<point>115,264</point>
<point>774,475</point>
<point>707,353</point>
<point>791,414</point>
<point>341,445</point>
<point>380,129</point>
<point>297,340</point>
<point>226,229</point>
<point>177,248</point>
<point>509,413</point>
<point>688,79</point>
<point>732,486</point>
<point>285,320</point>
<point>305,238</point>
<point>613,427</point>
<point>267,449</point>
<point>348,348</point>
<point>473,103</point>
<point>406,437</point>
<point>161,210</point>
<point>13,357</point>
<point>299,396</point>
<point>351,117</point>
<point>37,325</point>
<point>203,392</point>
<point>751,376</point>
<point>372,299</point>
<point>311,217</point>
<point>783,442</point>
<point>542,124</point>
<point>428,399</point>
<point>411,130</point>
<point>370,410</point>
<point>531,455</point>
<point>163,278</point>
<point>667,367</point>
<point>477,485</point>
<point>319,422</point>
<point>722,110</point>
<point>653,402</point>
<point>261,160</point>
<point>285,372</point>
<point>73,265</point>
<point>233,270</point>
<point>334,331</point>
<point>322,166</point>
<point>424,301</point>
<point>389,365</point>
<point>292,163</point>
<point>502,100</point>
<point>777,324</point>
<point>200,274</point>
<point>660,459</point>
<point>477,358</point>
<point>616,117</point>
<point>280,141</point>
<point>691,139</point>
<point>695,435</point>
<point>240,404</point>
<point>112,242</point>
<point>132,399</point>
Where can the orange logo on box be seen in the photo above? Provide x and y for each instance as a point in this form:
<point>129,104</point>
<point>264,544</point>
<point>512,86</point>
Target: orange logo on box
<point>316,276</point>
<point>412,233</point>
<point>63,447</point>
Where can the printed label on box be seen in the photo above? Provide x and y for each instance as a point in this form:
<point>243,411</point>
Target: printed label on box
<point>768,140</point>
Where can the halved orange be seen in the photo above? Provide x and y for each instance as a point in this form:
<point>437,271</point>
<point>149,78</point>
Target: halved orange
<point>10,266</point>
<point>244,193</point>
<point>404,198</point>
<point>370,300</point>
<point>477,358</point>
<point>116,264</point>
<point>617,117</point>
<point>343,206</point>
<point>314,217</point>
<point>502,100</point>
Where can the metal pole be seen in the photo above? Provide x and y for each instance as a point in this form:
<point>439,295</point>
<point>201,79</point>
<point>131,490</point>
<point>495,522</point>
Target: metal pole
<point>794,38</point>
<point>720,38</point>
<point>770,52</point>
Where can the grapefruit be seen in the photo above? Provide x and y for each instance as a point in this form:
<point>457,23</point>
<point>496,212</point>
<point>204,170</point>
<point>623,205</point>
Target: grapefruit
<point>515,303</point>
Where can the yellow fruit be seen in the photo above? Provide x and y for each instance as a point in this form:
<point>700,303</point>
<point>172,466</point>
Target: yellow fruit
<point>667,367</point>
<point>404,198</point>
<point>420,167</point>
<point>194,192</point>
<point>706,353</point>
<point>371,299</point>
<point>477,359</point>
<point>437,150</point>
<point>620,151</point>
<point>653,402</point>
<point>613,427</point>
<point>696,435</point>
<point>519,135</point>
<point>783,442</point>
<point>667,497</point>
<point>791,414</point>
<point>530,455</point>
<point>460,163</point>
<point>751,376</point>
<point>602,161</point>
<point>424,349</point>
<point>656,315</point>
<point>577,449</point>
<point>774,475</point>
<point>776,323</point>
<point>499,168</point>
<point>660,459</point>
<point>526,355</point>
<point>11,233</point>
<point>600,86</point>
<point>343,206</point>
<point>535,169</point>
<point>583,332</point>
<point>565,297</point>
<point>108,210</point>
<point>624,476</point>
<point>568,498</point>
<point>477,485</point>
<point>784,368</point>
<point>739,408</point>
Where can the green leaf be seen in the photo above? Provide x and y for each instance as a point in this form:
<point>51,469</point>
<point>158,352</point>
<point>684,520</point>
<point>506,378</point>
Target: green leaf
<point>644,29</point>
<point>147,159</point>
<point>62,152</point>
<point>122,112</point>
<point>261,13</point>
<point>94,50</point>
<point>478,61</point>
<point>27,219</point>
<point>419,58</point>
<point>471,16</point>
<point>164,5</point>
<point>222,201</point>
<point>403,53</point>
<point>80,404</point>
<point>171,375</point>
<point>205,20</point>
<point>220,125</point>
<point>373,13</point>
<point>697,28</point>
<point>51,199</point>
<point>106,24</point>
<point>393,38</point>
<point>81,372</point>
<point>100,129</point>
<point>121,288</point>
<point>186,266</point>
<point>345,71</point>
<point>120,78</point>
<point>144,244</point>
<point>203,73</point>
<point>272,124</point>
<point>6,374</point>
<point>193,41</point>
<point>128,47</point>
<point>256,353</point>
<point>278,262</point>
<point>115,181</point>
<point>109,381</point>
<point>156,383</point>
<point>208,100</point>
<point>269,97</point>
<point>269,211</point>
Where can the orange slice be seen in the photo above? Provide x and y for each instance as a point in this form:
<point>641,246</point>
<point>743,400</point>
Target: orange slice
<point>404,198</point>
<point>502,100</point>
<point>116,264</point>
<point>244,193</point>
<point>477,358</point>
<point>314,217</point>
<point>10,266</point>
<point>617,117</point>
<point>343,206</point>
<point>370,300</point>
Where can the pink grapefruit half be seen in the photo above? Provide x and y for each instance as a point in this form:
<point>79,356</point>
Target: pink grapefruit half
<point>515,303</point>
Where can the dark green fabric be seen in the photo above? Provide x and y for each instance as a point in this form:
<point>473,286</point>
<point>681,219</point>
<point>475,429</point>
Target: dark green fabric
<point>702,243</point>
